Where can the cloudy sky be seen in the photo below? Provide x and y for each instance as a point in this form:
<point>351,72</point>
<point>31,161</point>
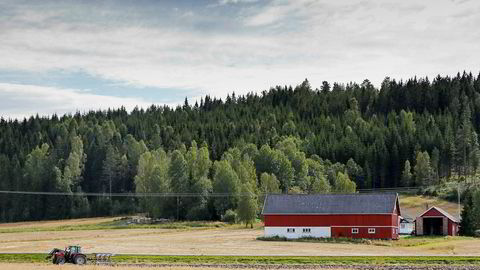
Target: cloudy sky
<point>67,56</point>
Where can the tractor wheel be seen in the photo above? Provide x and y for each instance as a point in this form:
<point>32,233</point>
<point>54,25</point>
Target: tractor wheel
<point>80,260</point>
<point>60,260</point>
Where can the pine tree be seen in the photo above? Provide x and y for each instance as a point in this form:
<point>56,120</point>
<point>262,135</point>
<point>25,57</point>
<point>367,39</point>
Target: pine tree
<point>422,169</point>
<point>407,174</point>
<point>467,226</point>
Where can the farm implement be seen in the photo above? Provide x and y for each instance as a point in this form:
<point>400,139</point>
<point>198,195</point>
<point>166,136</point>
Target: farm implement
<point>73,254</point>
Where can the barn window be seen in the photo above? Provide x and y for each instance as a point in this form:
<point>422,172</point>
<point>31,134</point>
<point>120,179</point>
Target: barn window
<point>371,230</point>
<point>402,225</point>
<point>354,230</point>
<point>307,230</point>
<point>290,230</point>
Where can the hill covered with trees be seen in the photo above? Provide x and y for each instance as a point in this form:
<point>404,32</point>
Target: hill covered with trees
<point>335,138</point>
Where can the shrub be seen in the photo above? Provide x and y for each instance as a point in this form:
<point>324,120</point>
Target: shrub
<point>230,216</point>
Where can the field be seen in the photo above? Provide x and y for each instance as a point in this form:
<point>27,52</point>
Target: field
<point>220,243</point>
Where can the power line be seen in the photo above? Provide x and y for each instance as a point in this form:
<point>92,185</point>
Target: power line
<point>94,194</point>
<point>140,195</point>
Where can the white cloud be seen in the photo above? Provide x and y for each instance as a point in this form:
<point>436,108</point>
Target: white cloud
<point>18,101</point>
<point>275,43</point>
<point>226,2</point>
<point>279,11</point>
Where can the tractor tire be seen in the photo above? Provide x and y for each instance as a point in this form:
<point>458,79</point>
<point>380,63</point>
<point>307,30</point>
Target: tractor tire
<point>80,260</point>
<point>60,260</point>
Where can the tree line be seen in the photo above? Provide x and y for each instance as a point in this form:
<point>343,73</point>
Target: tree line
<point>334,138</point>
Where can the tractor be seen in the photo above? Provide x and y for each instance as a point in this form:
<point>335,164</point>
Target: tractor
<point>71,254</point>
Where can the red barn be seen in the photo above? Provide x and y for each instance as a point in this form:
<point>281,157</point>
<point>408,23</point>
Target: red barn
<point>332,215</point>
<point>436,221</point>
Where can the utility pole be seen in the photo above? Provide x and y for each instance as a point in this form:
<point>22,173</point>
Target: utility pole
<point>177,208</point>
<point>458,196</point>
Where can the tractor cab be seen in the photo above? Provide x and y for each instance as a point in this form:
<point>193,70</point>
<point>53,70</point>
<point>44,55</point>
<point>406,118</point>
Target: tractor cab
<point>73,249</point>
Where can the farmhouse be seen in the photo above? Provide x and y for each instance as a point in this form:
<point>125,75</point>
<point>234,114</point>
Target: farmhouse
<point>407,225</point>
<point>436,221</point>
<point>332,215</point>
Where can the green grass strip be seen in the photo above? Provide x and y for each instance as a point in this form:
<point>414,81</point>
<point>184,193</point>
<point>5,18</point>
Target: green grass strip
<point>115,225</point>
<point>333,260</point>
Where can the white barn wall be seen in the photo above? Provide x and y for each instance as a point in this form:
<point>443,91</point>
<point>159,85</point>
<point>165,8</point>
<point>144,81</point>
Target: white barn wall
<point>316,232</point>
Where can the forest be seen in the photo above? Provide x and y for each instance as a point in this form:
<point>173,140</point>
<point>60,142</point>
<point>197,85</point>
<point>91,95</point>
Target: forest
<point>224,155</point>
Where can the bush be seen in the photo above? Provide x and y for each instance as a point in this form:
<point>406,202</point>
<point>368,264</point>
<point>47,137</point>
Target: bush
<point>230,216</point>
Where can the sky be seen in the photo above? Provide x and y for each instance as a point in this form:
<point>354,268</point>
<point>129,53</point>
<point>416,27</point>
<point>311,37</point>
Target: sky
<point>68,56</point>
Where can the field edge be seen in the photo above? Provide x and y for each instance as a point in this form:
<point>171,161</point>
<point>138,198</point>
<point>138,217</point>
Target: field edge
<point>262,260</point>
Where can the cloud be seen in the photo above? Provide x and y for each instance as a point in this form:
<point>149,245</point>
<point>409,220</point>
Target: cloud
<point>18,101</point>
<point>278,11</point>
<point>218,49</point>
<point>226,2</point>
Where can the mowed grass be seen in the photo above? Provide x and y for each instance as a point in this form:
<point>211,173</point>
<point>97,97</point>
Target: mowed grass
<point>404,241</point>
<point>116,225</point>
<point>268,260</point>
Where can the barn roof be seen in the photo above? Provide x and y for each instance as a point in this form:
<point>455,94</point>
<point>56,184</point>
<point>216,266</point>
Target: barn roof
<point>443,212</point>
<point>365,203</point>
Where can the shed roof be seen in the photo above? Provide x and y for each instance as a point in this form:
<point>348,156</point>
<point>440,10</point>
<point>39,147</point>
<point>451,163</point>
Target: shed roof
<point>365,203</point>
<point>443,212</point>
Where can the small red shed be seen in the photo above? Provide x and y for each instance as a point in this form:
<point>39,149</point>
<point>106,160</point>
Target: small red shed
<point>436,221</point>
<point>332,215</point>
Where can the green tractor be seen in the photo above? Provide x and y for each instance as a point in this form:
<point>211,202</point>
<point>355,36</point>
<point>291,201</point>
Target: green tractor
<point>71,254</point>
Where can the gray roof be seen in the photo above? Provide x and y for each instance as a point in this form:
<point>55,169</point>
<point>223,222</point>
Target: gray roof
<point>365,203</point>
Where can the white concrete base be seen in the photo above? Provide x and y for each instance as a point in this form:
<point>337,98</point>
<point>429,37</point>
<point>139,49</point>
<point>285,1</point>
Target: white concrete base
<point>298,232</point>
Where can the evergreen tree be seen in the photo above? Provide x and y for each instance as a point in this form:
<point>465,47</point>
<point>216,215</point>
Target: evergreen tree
<point>470,215</point>
<point>406,174</point>
<point>422,169</point>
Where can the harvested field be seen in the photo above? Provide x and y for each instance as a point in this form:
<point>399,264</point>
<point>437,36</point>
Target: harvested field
<point>224,241</point>
<point>215,238</point>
